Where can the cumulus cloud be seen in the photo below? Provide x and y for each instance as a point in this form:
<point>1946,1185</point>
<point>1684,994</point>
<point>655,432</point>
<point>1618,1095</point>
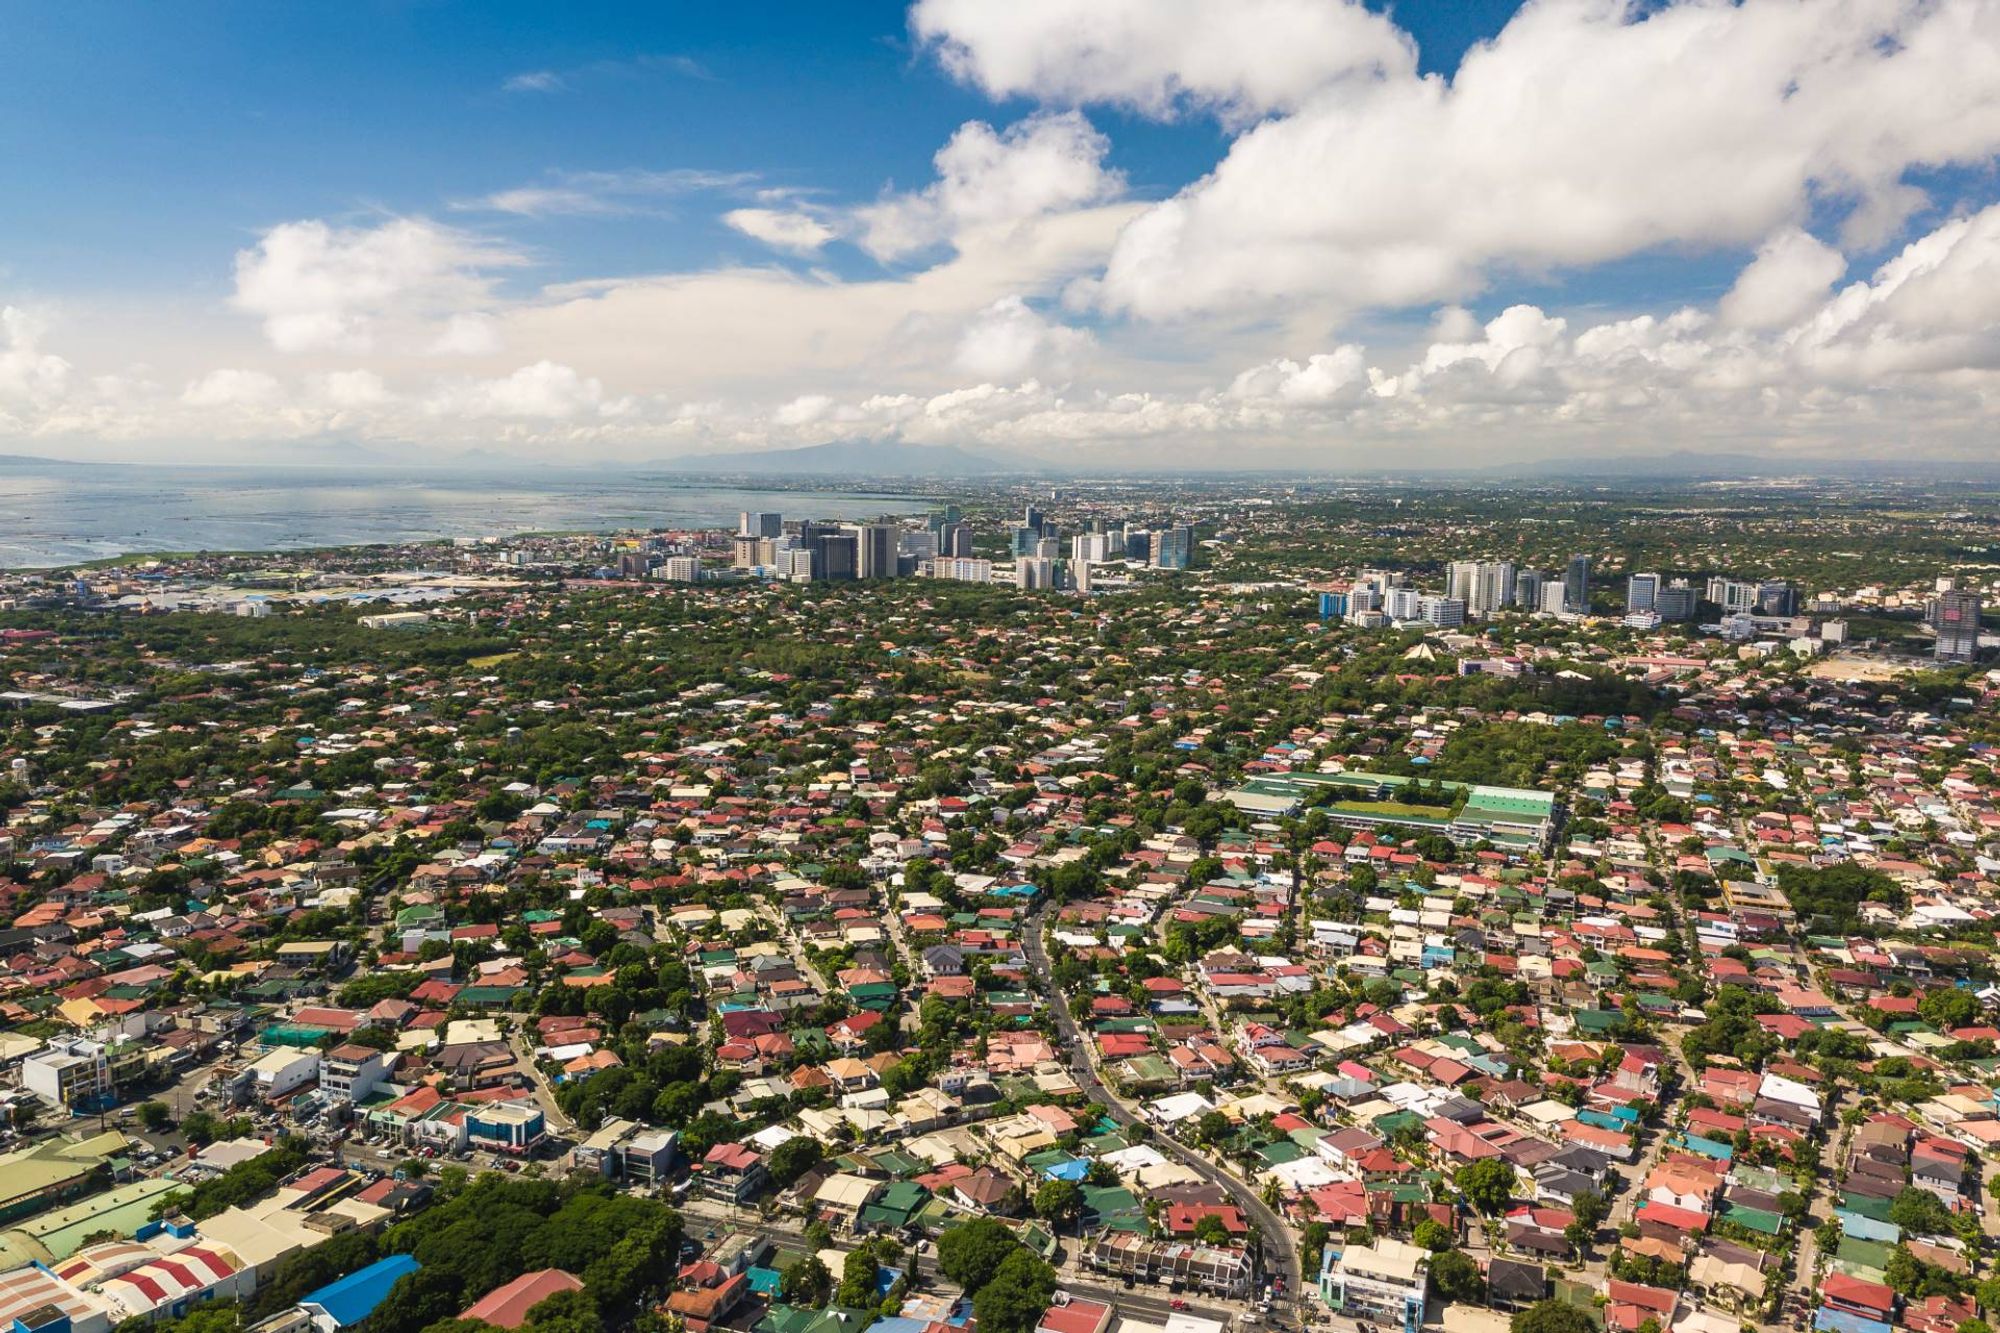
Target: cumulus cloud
<point>319,286</point>
<point>1790,275</point>
<point>545,390</point>
<point>1008,340</point>
<point>793,231</point>
<point>230,387</point>
<point>1242,58</point>
<point>1575,137</point>
<point>994,180</point>
<point>28,375</point>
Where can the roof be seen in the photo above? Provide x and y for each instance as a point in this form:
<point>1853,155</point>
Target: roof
<point>507,1306</point>
<point>353,1298</point>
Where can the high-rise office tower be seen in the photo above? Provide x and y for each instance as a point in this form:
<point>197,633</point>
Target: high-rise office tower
<point>1676,601</point>
<point>1576,585</point>
<point>760,525</point>
<point>875,550</point>
<point>1528,590</point>
<point>1955,617</point>
<point>1486,586</point>
<point>1090,547</point>
<point>1035,572</point>
<point>1445,612</point>
<point>1642,592</point>
<point>1026,538</point>
<point>1138,544</point>
<point>1555,597</point>
<point>1775,597</point>
<point>956,540</point>
<point>1173,548</point>
<point>1031,517</point>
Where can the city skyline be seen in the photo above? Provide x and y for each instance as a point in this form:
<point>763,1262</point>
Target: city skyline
<point>1289,233</point>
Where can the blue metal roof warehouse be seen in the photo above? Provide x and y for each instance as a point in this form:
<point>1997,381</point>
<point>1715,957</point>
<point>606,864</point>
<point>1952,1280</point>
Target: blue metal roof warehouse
<point>353,1298</point>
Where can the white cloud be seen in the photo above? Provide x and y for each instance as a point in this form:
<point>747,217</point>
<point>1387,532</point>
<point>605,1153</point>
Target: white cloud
<point>233,388</point>
<point>1240,57</point>
<point>1325,377</point>
<point>534,81</point>
<point>545,390</point>
<point>789,230</point>
<point>1586,131</point>
<point>1790,275</point>
<point>1008,340</point>
<point>318,286</point>
<point>342,389</point>
<point>28,375</point>
<point>988,180</point>
<point>604,193</point>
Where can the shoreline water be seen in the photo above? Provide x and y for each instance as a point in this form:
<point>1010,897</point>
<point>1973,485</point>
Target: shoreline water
<point>59,516</point>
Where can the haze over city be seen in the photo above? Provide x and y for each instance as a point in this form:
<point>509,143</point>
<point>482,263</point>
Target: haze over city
<point>1171,233</point>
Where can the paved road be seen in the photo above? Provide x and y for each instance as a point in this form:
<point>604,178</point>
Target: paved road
<point>1280,1248</point>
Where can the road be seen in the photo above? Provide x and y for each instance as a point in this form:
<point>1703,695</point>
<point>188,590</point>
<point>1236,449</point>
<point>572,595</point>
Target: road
<point>1280,1248</point>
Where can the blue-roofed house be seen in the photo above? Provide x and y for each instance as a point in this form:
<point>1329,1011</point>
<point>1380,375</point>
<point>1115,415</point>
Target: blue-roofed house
<point>348,1301</point>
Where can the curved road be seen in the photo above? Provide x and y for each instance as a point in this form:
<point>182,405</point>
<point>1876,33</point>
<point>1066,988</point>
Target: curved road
<point>1280,1249</point>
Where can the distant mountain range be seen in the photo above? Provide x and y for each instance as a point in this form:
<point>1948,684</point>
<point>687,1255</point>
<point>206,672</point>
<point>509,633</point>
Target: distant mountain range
<point>853,458</point>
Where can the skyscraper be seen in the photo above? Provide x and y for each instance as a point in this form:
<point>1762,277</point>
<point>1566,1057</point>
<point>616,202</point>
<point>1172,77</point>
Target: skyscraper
<point>1576,585</point>
<point>1173,548</point>
<point>1528,590</point>
<point>1955,617</point>
<point>875,550</point>
<point>955,539</point>
<point>1676,601</point>
<point>760,525</point>
<point>1642,592</point>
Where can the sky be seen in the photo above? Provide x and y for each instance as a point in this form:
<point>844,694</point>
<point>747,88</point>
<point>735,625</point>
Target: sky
<point>1200,233</point>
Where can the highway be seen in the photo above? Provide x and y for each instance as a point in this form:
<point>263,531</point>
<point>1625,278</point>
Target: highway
<point>1280,1249</point>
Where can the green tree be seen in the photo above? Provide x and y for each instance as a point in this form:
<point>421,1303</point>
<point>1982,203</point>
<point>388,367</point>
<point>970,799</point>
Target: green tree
<point>154,1115</point>
<point>1432,1235</point>
<point>972,1254</point>
<point>1457,1277</point>
<point>1553,1316</point>
<point>793,1158</point>
<point>1487,1185</point>
<point>1058,1201</point>
<point>806,1282</point>
<point>1018,1295</point>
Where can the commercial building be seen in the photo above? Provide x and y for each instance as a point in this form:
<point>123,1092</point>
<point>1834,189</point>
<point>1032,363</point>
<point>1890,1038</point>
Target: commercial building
<point>1173,548</point>
<point>875,550</point>
<point>352,1071</point>
<point>283,1070</point>
<point>681,569</point>
<point>397,620</point>
<point>1955,617</point>
<point>1642,592</point>
<point>962,569</point>
<point>761,525</point>
<point>1383,1283</point>
<point>1676,601</point>
<point>353,1298</point>
<point>73,1073</point>
<point>509,1127</point>
<point>1576,585</point>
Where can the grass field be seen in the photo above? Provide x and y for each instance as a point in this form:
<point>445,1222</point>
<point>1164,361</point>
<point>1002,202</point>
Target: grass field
<point>1392,810</point>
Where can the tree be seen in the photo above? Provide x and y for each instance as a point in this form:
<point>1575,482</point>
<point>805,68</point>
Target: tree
<point>1553,1316</point>
<point>1210,1127</point>
<point>793,1158</point>
<point>857,1277</point>
<point>1432,1235</point>
<point>807,1282</point>
<point>1058,1201</point>
<point>971,1255</point>
<point>1487,1185</point>
<point>1018,1295</point>
<point>1948,1007</point>
<point>1211,1230</point>
<point>1919,1212</point>
<point>1457,1277</point>
<point>1590,1208</point>
<point>154,1115</point>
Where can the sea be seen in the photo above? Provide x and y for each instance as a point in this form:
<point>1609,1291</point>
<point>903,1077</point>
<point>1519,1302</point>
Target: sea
<point>54,515</point>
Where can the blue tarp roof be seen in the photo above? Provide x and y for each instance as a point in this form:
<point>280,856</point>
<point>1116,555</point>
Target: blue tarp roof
<point>354,1297</point>
<point>1075,1170</point>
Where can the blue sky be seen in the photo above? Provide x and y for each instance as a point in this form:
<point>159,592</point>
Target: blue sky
<point>1288,226</point>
